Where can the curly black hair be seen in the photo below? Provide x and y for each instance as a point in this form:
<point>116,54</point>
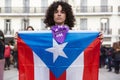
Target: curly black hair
<point>49,18</point>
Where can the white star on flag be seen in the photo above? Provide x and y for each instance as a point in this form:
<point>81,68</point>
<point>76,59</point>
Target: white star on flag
<point>57,50</point>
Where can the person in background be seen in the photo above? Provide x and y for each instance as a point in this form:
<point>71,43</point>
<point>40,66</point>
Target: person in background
<point>109,53</point>
<point>11,44</point>
<point>30,28</point>
<point>102,56</point>
<point>2,50</point>
<point>7,56</point>
<point>2,45</point>
<point>15,50</point>
<point>116,56</point>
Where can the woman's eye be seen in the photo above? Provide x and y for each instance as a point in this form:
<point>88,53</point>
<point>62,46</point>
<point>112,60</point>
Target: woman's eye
<point>55,11</point>
<point>63,12</point>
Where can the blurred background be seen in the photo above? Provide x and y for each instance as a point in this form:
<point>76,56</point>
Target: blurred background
<point>100,15</point>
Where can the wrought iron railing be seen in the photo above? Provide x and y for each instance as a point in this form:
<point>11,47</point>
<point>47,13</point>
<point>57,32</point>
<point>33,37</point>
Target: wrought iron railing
<point>23,9</point>
<point>76,9</point>
<point>93,9</point>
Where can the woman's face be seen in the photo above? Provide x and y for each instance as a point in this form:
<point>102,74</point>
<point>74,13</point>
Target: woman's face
<point>16,35</point>
<point>59,16</point>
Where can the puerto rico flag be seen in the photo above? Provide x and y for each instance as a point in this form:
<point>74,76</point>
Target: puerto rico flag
<point>42,58</point>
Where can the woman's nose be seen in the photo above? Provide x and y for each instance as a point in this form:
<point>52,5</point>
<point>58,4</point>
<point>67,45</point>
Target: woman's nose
<point>59,13</point>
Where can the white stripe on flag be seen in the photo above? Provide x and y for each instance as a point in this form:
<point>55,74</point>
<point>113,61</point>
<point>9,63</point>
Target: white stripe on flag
<point>75,71</point>
<point>41,72</point>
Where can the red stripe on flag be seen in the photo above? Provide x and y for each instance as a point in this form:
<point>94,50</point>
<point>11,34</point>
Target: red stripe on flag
<point>91,61</point>
<point>62,77</point>
<point>26,64</point>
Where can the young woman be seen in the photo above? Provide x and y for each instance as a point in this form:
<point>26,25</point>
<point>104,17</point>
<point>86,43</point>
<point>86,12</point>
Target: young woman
<point>59,13</point>
<point>60,19</point>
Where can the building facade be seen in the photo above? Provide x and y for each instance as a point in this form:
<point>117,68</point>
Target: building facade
<point>100,15</point>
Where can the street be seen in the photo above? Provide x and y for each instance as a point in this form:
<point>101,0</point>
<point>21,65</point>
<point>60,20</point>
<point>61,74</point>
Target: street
<point>12,74</point>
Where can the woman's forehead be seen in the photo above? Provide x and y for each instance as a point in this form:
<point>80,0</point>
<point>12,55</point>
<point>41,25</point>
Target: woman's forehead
<point>60,6</point>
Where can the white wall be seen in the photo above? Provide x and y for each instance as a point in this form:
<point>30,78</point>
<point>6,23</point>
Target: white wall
<point>35,23</point>
<point>50,2</point>
<point>16,23</point>
<point>35,3</point>
<point>1,3</point>
<point>93,23</point>
<point>75,2</point>
<point>93,2</point>
<point>115,4</point>
<point>17,3</point>
<point>2,23</point>
<point>115,24</point>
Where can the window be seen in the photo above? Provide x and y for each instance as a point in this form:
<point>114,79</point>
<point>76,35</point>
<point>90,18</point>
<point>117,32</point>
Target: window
<point>7,6</point>
<point>7,26</point>
<point>105,25</point>
<point>26,6</point>
<point>83,24</point>
<point>25,24</point>
<point>104,7</point>
<point>118,31</point>
<point>44,4</point>
<point>83,4</point>
<point>42,24</point>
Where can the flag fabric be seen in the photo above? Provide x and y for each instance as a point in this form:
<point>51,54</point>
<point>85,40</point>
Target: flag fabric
<point>42,58</point>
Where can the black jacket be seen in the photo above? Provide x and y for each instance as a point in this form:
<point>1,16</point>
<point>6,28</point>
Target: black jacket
<point>117,55</point>
<point>2,49</point>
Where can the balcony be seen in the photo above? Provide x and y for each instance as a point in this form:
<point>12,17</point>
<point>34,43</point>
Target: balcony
<point>40,11</point>
<point>22,11</point>
<point>93,10</point>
